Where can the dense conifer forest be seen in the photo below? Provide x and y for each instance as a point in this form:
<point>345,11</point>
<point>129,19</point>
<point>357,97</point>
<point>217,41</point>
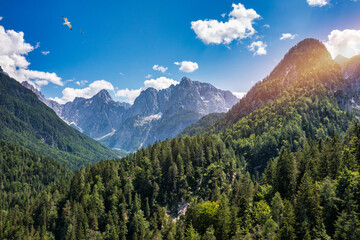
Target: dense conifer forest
<point>312,193</point>
<point>283,163</point>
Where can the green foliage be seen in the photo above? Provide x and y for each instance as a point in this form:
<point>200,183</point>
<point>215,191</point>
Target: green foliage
<point>191,188</point>
<point>297,101</point>
<point>28,122</point>
<point>199,188</point>
<point>202,126</point>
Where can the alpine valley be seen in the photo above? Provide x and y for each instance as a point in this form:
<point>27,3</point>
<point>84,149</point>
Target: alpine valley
<point>282,163</point>
<point>154,116</point>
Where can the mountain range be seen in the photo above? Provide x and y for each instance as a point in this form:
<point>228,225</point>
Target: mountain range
<point>155,115</point>
<point>282,163</point>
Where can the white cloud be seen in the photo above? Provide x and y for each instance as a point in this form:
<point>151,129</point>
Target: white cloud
<point>346,43</point>
<point>266,26</point>
<point>259,48</point>
<point>187,66</point>
<point>1,18</point>
<point>129,95</point>
<point>223,15</point>
<point>318,3</point>
<point>121,74</point>
<point>69,94</point>
<point>160,68</point>
<point>288,36</point>
<point>239,94</point>
<point>13,50</point>
<point>45,52</point>
<point>239,26</point>
<point>81,83</point>
<point>37,45</point>
<point>160,83</point>
<point>148,76</point>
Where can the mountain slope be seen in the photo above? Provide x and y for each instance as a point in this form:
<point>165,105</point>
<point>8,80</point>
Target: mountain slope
<point>349,94</point>
<point>198,187</point>
<point>307,66</point>
<point>27,121</point>
<point>155,115</point>
<point>296,101</point>
<point>202,126</point>
<point>158,115</point>
<point>50,103</point>
<point>97,116</point>
<point>21,169</point>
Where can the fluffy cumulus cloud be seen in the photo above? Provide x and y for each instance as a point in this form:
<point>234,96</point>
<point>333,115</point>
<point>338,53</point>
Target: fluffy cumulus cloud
<point>160,68</point>
<point>69,94</point>
<point>238,26</point>
<point>288,36</point>
<point>129,95</point>
<point>13,50</point>
<point>318,3</point>
<point>160,83</point>
<point>258,47</point>
<point>239,95</point>
<point>346,43</point>
<point>187,66</point>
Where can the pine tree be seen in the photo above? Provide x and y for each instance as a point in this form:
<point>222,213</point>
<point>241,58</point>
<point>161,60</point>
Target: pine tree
<point>209,234</point>
<point>277,208</point>
<point>285,181</point>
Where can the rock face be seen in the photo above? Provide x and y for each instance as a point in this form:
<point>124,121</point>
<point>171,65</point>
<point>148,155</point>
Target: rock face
<point>50,103</point>
<point>349,93</point>
<point>97,116</point>
<point>158,115</point>
<point>155,115</point>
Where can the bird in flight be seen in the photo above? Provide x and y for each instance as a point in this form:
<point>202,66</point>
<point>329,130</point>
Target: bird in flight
<point>67,23</point>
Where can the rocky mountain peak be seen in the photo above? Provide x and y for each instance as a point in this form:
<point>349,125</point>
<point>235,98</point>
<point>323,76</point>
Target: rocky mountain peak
<point>186,82</point>
<point>307,65</point>
<point>102,95</point>
<point>303,57</point>
<point>28,85</point>
<point>34,90</point>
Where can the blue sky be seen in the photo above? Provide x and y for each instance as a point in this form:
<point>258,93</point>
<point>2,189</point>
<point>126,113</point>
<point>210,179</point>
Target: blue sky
<point>123,40</point>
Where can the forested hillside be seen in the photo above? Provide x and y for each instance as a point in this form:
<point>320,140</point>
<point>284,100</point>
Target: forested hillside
<point>298,100</point>
<point>310,194</point>
<point>286,169</point>
<point>27,121</point>
<point>202,126</point>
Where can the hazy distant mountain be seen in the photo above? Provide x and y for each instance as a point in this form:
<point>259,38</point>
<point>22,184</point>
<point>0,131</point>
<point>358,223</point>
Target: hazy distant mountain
<point>155,115</point>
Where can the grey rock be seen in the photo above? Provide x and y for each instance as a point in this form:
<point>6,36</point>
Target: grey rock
<point>155,115</point>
